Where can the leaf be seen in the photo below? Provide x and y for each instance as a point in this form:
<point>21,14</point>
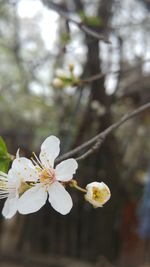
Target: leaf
<point>4,165</point>
<point>3,147</point>
<point>5,157</point>
<point>94,21</point>
<point>65,38</point>
<point>70,81</point>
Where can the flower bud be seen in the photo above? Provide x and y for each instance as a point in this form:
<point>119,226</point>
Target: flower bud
<point>97,194</point>
<point>71,67</point>
<point>58,83</point>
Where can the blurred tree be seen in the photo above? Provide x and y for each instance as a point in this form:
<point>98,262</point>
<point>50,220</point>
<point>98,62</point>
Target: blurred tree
<point>100,37</point>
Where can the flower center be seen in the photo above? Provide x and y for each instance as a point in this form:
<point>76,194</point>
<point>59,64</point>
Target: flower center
<point>47,176</point>
<point>24,186</point>
<point>99,195</point>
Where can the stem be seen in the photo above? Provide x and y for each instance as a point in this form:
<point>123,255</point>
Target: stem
<point>74,184</point>
<point>80,188</point>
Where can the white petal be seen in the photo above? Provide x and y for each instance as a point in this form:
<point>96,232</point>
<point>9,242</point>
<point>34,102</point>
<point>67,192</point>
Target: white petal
<point>32,200</point>
<point>10,207</point>
<point>17,153</point>
<point>49,151</point>
<point>13,179</point>
<point>24,169</point>
<point>66,169</point>
<point>59,198</point>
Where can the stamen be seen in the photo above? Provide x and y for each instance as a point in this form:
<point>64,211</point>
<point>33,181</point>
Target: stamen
<point>6,189</point>
<point>3,179</point>
<point>47,160</point>
<point>36,164</point>
<point>5,196</point>
<point>38,161</point>
<point>2,174</point>
<point>4,193</point>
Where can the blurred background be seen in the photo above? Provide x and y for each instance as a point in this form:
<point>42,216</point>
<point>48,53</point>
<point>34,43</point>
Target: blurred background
<point>44,54</point>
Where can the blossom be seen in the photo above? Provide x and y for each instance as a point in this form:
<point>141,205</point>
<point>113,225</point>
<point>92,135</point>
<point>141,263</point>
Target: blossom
<point>61,73</point>
<point>97,194</point>
<point>13,184</point>
<point>50,180</point>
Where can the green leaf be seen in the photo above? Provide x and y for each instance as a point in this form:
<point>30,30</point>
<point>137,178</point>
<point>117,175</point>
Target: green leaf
<point>69,81</point>
<point>65,38</point>
<point>4,165</point>
<point>94,21</point>
<point>3,147</point>
<point>5,157</point>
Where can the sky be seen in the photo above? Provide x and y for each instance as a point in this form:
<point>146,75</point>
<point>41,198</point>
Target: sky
<point>47,22</point>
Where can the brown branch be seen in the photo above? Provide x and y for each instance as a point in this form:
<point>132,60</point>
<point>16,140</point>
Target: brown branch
<point>99,138</point>
<point>93,78</point>
<point>89,80</point>
<point>100,75</point>
<point>57,8</point>
<point>91,150</point>
<point>90,32</point>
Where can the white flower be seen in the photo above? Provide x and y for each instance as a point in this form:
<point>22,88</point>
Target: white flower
<point>14,183</point>
<point>9,190</point>
<point>49,181</point>
<point>97,194</point>
<point>61,73</point>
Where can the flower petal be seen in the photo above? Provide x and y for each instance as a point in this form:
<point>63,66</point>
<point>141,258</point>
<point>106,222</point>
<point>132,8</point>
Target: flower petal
<point>65,170</point>
<point>49,151</point>
<point>17,153</point>
<point>24,169</point>
<point>32,200</point>
<point>13,180</point>
<point>10,207</point>
<point>59,198</point>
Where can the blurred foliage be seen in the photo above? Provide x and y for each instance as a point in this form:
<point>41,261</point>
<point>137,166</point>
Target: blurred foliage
<point>93,21</point>
<point>65,38</point>
<point>5,157</point>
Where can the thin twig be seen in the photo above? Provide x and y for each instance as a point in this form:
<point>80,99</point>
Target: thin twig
<point>93,78</point>
<point>92,149</point>
<point>101,75</point>
<point>99,138</point>
<point>89,80</point>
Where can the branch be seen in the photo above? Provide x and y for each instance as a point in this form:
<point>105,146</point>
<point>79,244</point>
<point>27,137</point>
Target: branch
<point>93,78</point>
<point>101,75</point>
<point>99,138</point>
<point>57,8</point>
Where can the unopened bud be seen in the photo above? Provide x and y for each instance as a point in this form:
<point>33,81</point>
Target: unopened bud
<point>71,67</point>
<point>97,194</point>
<point>58,83</point>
